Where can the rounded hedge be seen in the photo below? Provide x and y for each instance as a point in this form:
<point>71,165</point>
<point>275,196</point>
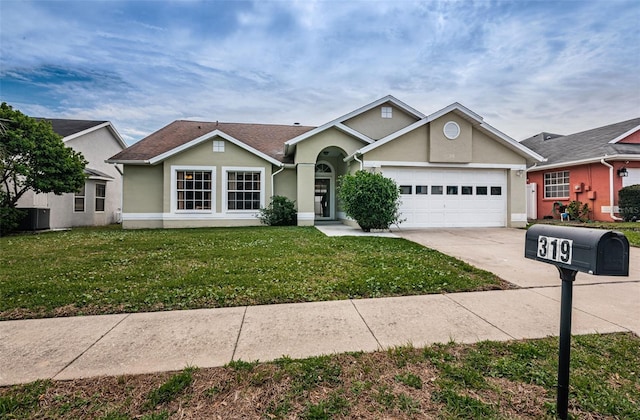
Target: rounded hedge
<point>629,202</point>
<point>370,199</point>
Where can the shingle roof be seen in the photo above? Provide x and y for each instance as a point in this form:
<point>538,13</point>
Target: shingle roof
<point>266,138</point>
<point>68,127</point>
<point>588,144</point>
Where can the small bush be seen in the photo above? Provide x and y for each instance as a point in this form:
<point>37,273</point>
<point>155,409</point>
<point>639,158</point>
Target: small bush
<point>370,199</point>
<point>280,212</point>
<point>629,203</point>
<point>578,211</point>
<point>10,219</point>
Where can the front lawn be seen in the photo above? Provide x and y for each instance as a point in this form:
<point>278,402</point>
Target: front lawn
<point>487,380</point>
<point>110,270</point>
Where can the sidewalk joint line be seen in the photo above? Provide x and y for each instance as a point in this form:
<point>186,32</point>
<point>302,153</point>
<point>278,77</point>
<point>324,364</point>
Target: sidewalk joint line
<point>235,346</point>
<point>91,346</point>
<point>475,314</point>
<point>365,323</point>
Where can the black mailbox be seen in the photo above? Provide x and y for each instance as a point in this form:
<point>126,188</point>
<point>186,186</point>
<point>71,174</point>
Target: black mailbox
<point>594,251</point>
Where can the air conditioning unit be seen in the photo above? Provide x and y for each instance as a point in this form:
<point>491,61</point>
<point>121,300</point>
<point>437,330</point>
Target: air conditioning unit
<point>35,219</point>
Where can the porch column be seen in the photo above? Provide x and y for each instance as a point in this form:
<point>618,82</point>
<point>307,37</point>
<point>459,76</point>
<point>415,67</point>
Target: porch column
<point>306,185</point>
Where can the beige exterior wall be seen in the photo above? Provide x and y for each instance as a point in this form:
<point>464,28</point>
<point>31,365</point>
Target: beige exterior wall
<point>444,150</point>
<point>372,124</point>
<point>411,147</point>
<point>284,184</point>
<point>487,150</point>
<point>517,203</point>
<point>143,189</point>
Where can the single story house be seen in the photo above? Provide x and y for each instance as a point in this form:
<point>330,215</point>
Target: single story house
<point>100,201</point>
<point>590,166</point>
<point>453,169</point>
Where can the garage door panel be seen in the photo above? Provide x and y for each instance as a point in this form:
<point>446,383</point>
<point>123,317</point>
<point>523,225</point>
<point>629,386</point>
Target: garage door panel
<point>452,210</point>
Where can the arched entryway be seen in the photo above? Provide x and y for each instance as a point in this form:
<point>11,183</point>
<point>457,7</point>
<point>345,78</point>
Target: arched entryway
<point>329,167</point>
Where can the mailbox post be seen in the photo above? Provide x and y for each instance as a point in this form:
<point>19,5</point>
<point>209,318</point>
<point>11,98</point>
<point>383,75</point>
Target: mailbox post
<point>570,249</point>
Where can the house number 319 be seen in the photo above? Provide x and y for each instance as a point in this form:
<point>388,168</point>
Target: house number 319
<point>555,249</point>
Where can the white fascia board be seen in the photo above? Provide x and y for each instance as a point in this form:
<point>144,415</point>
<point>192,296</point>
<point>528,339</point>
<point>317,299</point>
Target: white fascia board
<point>583,162</point>
<point>522,150</point>
<point>387,163</point>
<point>625,135</point>
<point>456,106</point>
<point>345,117</point>
<point>354,133</point>
<point>209,136</point>
<point>391,137</point>
<point>128,162</point>
<point>107,124</point>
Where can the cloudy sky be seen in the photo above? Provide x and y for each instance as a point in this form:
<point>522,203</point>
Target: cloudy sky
<point>525,66</point>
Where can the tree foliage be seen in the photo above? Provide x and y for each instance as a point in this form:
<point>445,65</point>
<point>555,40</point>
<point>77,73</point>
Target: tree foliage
<point>370,199</point>
<point>33,157</point>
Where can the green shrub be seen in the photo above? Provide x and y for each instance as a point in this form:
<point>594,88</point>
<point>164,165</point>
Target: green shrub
<point>10,218</point>
<point>629,202</point>
<point>280,212</point>
<point>370,199</point>
<point>578,211</point>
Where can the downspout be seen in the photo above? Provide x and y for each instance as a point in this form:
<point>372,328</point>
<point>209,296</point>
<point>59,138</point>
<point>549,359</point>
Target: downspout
<point>613,217</point>
<point>355,157</point>
<point>273,175</point>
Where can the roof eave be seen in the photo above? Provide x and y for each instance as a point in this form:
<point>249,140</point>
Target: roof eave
<point>584,162</point>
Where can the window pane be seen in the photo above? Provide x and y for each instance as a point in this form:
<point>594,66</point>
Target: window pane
<point>436,190</point>
<point>481,190</point>
<point>467,190</point>
<point>78,204</point>
<point>405,189</point>
<point>496,190</point>
<point>556,184</point>
<point>452,190</point>
<point>244,190</point>
<point>193,190</point>
<point>421,189</point>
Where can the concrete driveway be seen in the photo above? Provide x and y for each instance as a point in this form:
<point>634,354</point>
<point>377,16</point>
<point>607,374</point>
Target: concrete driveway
<point>501,251</point>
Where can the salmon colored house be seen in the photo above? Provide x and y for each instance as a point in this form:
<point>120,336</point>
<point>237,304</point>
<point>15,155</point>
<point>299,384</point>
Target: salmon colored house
<point>591,167</point>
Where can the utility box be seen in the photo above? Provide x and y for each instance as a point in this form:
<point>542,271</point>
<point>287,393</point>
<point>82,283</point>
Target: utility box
<point>35,219</point>
<point>594,251</point>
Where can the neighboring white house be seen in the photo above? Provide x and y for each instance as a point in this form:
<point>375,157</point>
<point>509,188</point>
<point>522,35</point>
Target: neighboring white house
<point>100,201</point>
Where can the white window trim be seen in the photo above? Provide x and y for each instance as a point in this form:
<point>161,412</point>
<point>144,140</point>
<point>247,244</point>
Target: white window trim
<point>225,186</point>
<point>544,185</point>
<point>96,198</point>
<point>386,112</point>
<point>174,193</point>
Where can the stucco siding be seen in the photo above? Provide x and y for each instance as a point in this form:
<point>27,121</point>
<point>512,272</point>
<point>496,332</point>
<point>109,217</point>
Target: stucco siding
<point>487,150</point>
<point>284,184</point>
<point>143,189</point>
<point>411,147</point>
<point>442,149</point>
<point>372,124</point>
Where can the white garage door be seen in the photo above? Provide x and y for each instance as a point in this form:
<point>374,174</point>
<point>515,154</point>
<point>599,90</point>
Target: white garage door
<point>451,197</point>
<point>632,178</point>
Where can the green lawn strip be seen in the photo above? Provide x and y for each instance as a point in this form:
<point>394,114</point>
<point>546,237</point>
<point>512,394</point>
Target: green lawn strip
<point>108,270</point>
<point>491,380</point>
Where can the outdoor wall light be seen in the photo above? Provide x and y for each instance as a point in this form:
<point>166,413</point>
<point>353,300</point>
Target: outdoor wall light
<point>622,172</point>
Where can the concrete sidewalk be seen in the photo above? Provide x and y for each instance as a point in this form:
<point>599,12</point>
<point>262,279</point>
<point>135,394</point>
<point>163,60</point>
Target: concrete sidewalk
<point>76,347</point>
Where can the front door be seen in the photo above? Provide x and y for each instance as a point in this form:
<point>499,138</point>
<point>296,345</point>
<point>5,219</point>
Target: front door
<point>323,199</point>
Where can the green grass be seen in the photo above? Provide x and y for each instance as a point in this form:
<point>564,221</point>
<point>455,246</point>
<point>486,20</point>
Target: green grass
<point>109,270</point>
<point>172,388</point>
<point>487,380</point>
